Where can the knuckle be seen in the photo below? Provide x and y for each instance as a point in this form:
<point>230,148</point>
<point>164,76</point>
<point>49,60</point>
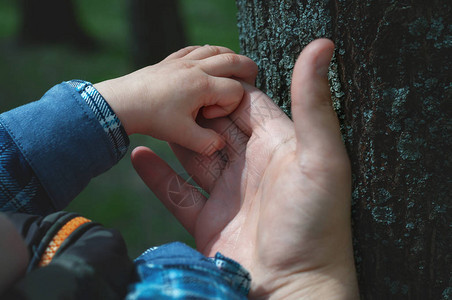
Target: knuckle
<point>214,50</point>
<point>186,65</point>
<point>203,83</point>
<point>187,50</point>
<point>190,48</point>
<point>232,58</point>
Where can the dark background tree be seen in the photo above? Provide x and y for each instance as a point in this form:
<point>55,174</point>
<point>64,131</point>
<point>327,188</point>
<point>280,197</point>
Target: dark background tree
<point>156,28</point>
<point>52,21</point>
<point>390,79</point>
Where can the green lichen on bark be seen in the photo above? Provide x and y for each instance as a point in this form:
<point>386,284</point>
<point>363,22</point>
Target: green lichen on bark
<point>391,86</point>
<point>275,42</point>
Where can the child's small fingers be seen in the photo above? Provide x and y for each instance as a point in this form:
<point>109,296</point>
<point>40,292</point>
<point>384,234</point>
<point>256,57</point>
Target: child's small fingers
<point>223,97</point>
<point>207,51</point>
<point>215,111</point>
<point>181,53</point>
<point>231,65</point>
<point>201,140</point>
<point>207,169</point>
<point>256,109</point>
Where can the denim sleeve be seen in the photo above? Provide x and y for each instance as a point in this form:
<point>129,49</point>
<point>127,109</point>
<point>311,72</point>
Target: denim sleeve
<point>176,271</point>
<point>60,142</point>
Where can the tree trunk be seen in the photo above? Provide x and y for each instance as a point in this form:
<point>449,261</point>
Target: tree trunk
<point>390,80</point>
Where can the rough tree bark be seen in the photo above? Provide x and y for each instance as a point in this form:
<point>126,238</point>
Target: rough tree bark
<point>391,85</point>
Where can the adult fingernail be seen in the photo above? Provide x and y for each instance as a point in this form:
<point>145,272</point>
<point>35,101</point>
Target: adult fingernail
<point>322,64</point>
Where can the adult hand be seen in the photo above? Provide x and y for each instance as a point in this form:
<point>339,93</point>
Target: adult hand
<point>279,192</point>
<point>164,99</point>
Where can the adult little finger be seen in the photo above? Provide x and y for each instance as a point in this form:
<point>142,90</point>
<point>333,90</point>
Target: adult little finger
<point>181,198</point>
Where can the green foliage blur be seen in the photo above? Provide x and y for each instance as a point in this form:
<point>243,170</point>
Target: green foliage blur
<point>118,198</point>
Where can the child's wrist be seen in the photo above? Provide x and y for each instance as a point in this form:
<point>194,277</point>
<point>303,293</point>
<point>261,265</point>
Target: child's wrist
<point>109,91</point>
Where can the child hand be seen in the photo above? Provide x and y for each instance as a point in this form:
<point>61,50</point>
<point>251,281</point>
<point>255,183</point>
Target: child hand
<point>164,99</point>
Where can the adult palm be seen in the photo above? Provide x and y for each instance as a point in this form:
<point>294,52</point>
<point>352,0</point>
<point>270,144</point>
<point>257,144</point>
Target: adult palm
<point>279,192</point>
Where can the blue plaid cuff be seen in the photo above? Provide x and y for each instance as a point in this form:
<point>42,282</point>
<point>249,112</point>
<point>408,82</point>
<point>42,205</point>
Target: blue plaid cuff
<point>20,188</point>
<point>238,276</point>
<point>176,271</point>
<point>104,114</point>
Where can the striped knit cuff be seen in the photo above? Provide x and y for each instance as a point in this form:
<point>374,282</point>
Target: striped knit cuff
<point>105,115</point>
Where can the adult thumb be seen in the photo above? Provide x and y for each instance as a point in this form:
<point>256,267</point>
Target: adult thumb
<point>316,123</point>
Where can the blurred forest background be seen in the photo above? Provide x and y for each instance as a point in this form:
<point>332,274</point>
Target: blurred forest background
<point>110,44</point>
